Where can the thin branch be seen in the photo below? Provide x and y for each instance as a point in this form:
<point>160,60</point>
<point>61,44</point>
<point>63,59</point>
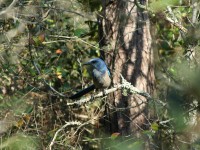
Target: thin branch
<point>57,41</point>
<point>54,90</point>
<point>62,128</point>
<point>65,10</point>
<point>74,37</point>
<point>176,24</point>
<point>8,8</point>
<point>166,121</point>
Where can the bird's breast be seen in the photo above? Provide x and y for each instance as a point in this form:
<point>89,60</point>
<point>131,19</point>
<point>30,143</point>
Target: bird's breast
<point>101,80</point>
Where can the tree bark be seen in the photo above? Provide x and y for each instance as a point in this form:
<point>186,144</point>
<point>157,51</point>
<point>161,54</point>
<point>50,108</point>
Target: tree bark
<point>127,49</point>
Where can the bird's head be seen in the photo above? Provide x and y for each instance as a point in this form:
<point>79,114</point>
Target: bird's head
<point>98,64</point>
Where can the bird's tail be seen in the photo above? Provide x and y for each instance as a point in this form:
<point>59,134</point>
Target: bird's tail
<point>83,92</point>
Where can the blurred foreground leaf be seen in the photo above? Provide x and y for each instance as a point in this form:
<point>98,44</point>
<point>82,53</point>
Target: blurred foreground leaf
<point>115,135</point>
<point>160,5</point>
<point>20,142</point>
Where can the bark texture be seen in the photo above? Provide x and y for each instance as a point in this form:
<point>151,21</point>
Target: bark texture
<point>127,40</point>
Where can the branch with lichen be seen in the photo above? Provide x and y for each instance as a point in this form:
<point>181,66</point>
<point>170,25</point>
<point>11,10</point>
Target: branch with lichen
<point>126,86</point>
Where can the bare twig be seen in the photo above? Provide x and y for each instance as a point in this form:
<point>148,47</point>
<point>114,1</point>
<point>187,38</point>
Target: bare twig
<point>73,37</point>
<point>8,8</point>
<point>176,24</point>
<point>62,128</point>
<point>54,90</point>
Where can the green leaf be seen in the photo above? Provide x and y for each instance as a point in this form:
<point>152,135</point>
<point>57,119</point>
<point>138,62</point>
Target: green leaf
<point>28,110</point>
<point>154,126</point>
<point>136,145</point>
<point>20,142</point>
<point>172,70</point>
<point>148,132</point>
<point>79,32</point>
<point>115,135</point>
<point>160,5</point>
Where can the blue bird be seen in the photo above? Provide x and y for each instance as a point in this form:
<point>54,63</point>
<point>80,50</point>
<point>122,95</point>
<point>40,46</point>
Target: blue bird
<point>100,75</point>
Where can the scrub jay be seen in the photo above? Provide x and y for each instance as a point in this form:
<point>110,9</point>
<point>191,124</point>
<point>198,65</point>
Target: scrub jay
<point>100,75</point>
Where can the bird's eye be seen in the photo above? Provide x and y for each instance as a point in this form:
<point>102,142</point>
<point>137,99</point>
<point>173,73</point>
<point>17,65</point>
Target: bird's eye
<point>94,61</point>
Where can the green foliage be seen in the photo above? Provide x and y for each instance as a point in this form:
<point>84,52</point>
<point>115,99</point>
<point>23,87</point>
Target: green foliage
<point>90,5</point>
<point>176,67</point>
<point>154,126</point>
<point>125,144</point>
<point>115,135</point>
<point>20,142</point>
<point>160,5</point>
<point>16,105</point>
<point>43,46</point>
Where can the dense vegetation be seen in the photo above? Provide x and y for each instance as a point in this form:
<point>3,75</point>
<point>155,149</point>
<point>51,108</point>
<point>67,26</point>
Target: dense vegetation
<point>43,45</point>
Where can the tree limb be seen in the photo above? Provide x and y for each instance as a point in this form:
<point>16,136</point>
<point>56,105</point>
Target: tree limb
<point>125,85</point>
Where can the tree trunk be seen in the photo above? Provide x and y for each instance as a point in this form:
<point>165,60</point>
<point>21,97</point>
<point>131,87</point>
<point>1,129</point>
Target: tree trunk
<point>127,48</point>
